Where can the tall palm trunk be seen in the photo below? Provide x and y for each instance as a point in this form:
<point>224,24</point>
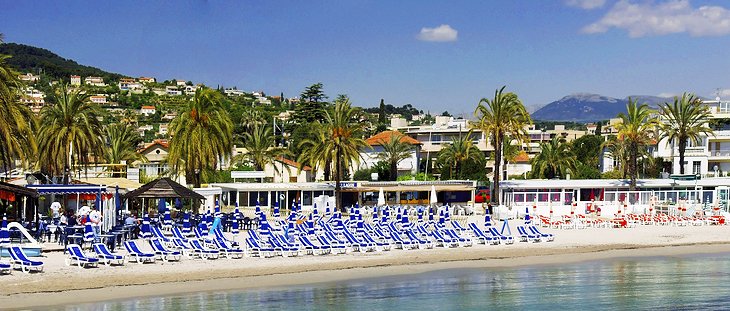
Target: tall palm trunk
<point>393,170</point>
<point>682,147</point>
<point>497,160</point>
<point>338,177</point>
<point>633,155</point>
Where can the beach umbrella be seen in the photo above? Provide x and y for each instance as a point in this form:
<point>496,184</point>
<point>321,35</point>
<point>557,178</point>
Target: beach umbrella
<point>178,203</point>
<point>258,209</point>
<point>4,233</point>
<point>433,199</point>
<point>277,212</point>
<point>441,217</point>
<point>293,206</point>
<point>447,214</point>
<point>88,230</point>
<point>167,218</point>
<point>430,216</point>
<point>381,197</point>
<point>117,201</point>
<point>488,219</point>
<point>235,219</point>
<point>186,228</point>
<point>145,231</point>
<point>161,206</point>
<point>327,209</point>
<point>310,224</point>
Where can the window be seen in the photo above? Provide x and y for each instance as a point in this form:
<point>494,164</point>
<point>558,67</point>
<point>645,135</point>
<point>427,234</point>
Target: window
<point>696,167</point>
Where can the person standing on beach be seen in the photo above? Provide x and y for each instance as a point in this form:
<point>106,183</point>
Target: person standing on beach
<point>55,207</point>
<point>95,217</point>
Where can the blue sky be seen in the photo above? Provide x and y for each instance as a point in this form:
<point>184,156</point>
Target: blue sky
<point>437,56</point>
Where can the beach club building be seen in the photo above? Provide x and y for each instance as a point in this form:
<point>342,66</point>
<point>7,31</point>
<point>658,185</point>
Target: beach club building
<point>611,195</point>
<point>363,193</point>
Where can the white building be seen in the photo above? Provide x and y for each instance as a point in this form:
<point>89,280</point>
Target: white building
<point>370,155</point>
<point>34,99</point>
<point>95,81</point>
<point>173,91</point>
<point>127,84</point>
<point>29,77</point>
<point>234,92</point>
<point>147,110</point>
<point>163,129</point>
<point>76,80</point>
<point>98,99</point>
<point>145,80</point>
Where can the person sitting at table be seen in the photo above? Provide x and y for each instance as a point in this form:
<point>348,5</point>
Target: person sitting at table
<point>63,220</point>
<point>72,219</point>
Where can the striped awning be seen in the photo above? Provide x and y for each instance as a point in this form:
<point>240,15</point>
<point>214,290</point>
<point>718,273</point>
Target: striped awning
<point>68,189</point>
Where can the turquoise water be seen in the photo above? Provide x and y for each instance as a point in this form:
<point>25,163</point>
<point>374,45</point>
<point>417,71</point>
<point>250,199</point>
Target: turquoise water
<point>690,282</point>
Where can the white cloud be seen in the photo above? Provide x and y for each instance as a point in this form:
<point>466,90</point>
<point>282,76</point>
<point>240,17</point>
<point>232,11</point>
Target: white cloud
<point>586,4</point>
<point>667,95</point>
<point>670,17</point>
<point>443,33</point>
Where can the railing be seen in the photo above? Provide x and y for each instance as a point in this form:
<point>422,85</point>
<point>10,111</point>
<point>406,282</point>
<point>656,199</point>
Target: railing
<point>720,153</point>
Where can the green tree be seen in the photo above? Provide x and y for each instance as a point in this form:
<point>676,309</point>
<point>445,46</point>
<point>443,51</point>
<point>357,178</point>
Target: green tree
<point>685,121</point>
<point>314,150</point>
<point>70,131</point>
<point>554,160</point>
<point>261,149</point>
<point>636,130</point>
<point>202,134</point>
<point>499,117</point>
<point>344,141</point>
<point>454,156</point>
<point>587,149</point>
<point>17,123</point>
<point>122,141</point>
<point>394,151</point>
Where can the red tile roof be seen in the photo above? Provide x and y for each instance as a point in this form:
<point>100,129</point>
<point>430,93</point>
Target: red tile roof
<point>522,157</point>
<point>157,142</point>
<point>382,137</point>
<point>293,163</point>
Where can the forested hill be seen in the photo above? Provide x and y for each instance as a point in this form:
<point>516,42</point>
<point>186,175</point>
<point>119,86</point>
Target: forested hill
<point>26,58</point>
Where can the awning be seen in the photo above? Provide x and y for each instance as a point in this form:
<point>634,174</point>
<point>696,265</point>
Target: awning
<point>68,189</point>
<point>11,190</point>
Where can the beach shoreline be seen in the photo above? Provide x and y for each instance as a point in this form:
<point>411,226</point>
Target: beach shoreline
<point>310,270</point>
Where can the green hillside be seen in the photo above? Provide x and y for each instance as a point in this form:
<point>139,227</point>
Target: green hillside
<point>27,58</point>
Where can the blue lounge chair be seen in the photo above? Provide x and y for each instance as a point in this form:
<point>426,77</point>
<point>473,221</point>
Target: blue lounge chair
<point>420,242</point>
<point>5,267</point>
<point>134,252</point>
<point>481,236</point>
<point>107,257</point>
<point>157,233</point>
<point>356,244</point>
<point>184,247</point>
<point>229,251</point>
<point>255,249</point>
<point>379,245</point>
<point>219,235</point>
<point>178,234</point>
<point>311,248</point>
<point>444,241</point>
<point>526,236</point>
<point>400,243</point>
<point>463,242</point>
<point>336,248</point>
<point>285,249</point>
<point>19,260</point>
<point>458,226</point>
<point>75,254</point>
<point>503,238</point>
<point>548,237</point>
<point>163,253</point>
<point>202,251</point>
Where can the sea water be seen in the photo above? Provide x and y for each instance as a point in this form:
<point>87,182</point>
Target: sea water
<point>665,283</point>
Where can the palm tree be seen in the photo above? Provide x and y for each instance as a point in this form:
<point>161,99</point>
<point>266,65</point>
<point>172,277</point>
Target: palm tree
<point>394,151</point>
<point>686,121</point>
<point>121,145</point>
<point>344,141</point>
<point>202,135</point>
<point>510,152</point>
<point>503,115</point>
<point>617,150</point>
<point>17,122</point>
<point>70,131</point>
<point>555,159</point>
<point>314,150</point>
<point>457,153</point>
<point>636,130</point>
<point>261,148</point>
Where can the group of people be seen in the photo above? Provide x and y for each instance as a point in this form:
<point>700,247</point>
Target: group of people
<point>71,218</point>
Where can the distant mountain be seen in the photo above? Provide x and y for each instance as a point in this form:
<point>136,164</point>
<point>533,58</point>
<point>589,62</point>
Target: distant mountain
<point>586,107</point>
<point>26,58</point>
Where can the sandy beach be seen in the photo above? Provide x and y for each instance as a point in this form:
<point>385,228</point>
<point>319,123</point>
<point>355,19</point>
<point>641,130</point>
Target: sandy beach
<point>59,284</point>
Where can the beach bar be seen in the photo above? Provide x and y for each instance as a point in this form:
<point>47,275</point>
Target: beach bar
<point>583,196</point>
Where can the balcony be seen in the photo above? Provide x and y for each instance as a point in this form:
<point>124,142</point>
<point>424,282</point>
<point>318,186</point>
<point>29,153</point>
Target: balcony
<point>722,154</point>
<point>720,134</point>
<point>693,151</point>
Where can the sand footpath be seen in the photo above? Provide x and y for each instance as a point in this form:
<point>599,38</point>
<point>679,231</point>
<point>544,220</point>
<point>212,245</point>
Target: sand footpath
<point>60,284</point>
